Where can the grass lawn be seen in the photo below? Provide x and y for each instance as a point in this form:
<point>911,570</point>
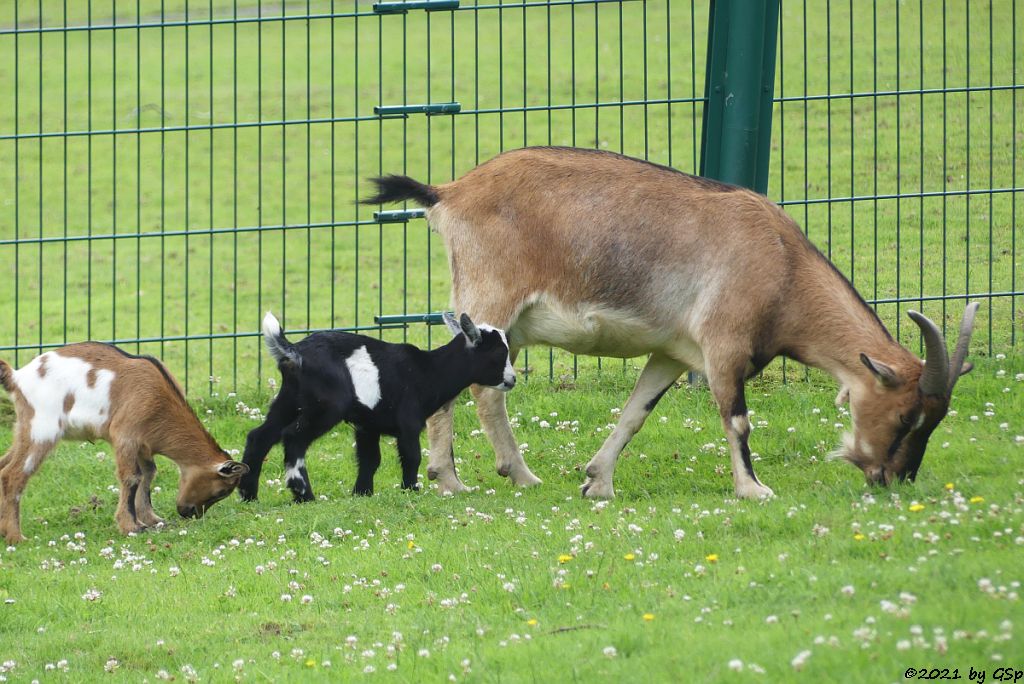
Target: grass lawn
<point>673,580</point>
<point>202,226</point>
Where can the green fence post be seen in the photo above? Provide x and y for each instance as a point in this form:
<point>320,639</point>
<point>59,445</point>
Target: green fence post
<point>739,84</point>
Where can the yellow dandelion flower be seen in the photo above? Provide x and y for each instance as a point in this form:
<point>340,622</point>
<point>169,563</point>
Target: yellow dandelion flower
<point>566,585</point>
<point>916,508</point>
<point>629,556</point>
<point>310,663</point>
<point>949,486</point>
<point>564,558</point>
<point>411,545</point>
<point>532,622</point>
<point>859,537</point>
<point>711,558</point>
<point>977,499</point>
<point>648,617</point>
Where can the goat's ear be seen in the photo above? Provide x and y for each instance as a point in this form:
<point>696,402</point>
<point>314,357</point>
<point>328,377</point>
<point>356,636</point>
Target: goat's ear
<point>883,373</point>
<point>451,323</point>
<point>232,469</point>
<point>966,368</point>
<point>843,396</point>
<point>469,329</point>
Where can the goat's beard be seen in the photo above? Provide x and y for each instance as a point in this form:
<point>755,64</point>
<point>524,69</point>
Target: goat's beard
<point>845,450</point>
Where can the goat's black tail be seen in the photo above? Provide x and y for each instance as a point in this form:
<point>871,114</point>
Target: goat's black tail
<point>7,377</point>
<point>279,347</point>
<point>398,188</point>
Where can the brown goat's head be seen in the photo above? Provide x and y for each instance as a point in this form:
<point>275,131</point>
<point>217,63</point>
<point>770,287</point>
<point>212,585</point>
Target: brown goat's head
<point>894,417</point>
<point>203,485</point>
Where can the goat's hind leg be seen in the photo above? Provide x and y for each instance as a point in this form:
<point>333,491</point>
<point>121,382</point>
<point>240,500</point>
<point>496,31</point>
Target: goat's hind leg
<point>20,463</point>
<point>441,458</point>
<point>655,379</point>
<point>726,383</point>
<point>508,460</point>
<point>262,439</point>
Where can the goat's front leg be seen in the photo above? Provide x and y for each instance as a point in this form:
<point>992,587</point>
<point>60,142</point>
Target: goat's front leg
<point>368,460</point>
<point>727,388</point>
<point>144,512</point>
<point>508,460</point>
<point>655,379</point>
<point>409,455</point>
<point>441,458</point>
<point>129,475</point>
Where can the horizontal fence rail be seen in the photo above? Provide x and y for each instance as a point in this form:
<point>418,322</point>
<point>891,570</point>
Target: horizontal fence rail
<point>171,170</point>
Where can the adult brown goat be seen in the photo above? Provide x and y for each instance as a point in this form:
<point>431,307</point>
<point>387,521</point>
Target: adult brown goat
<point>92,391</point>
<point>603,254</point>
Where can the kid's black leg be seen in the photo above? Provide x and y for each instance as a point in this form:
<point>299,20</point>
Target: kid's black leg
<point>368,460</point>
<point>296,438</point>
<point>261,440</point>
<point>410,456</point>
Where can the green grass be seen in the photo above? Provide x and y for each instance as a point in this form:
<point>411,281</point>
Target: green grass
<point>208,593</point>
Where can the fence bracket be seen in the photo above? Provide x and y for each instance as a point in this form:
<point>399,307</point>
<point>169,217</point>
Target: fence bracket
<point>398,215</point>
<point>402,7</point>
<point>428,318</point>
<point>428,109</point>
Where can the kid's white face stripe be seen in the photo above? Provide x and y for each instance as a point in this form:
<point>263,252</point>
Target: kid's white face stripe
<point>365,377</point>
<point>509,376</point>
<point>64,375</point>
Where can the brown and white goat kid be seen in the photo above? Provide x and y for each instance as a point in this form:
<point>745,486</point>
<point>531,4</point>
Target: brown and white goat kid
<point>93,391</point>
<point>606,255</point>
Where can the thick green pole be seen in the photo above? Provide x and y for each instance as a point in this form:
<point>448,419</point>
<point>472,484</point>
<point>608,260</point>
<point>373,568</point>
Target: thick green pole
<point>739,84</point>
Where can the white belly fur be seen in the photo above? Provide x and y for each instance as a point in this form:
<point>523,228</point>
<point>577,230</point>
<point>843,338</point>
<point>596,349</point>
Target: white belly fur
<point>597,330</point>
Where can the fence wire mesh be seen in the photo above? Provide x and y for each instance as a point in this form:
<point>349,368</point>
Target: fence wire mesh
<point>170,170</point>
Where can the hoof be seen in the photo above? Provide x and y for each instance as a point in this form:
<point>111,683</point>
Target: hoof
<point>14,538</point>
<point>451,486</point>
<point>754,490</point>
<point>597,489</point>
<point>525,478</point>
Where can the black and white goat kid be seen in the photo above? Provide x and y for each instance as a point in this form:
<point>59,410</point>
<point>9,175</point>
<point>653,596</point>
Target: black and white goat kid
<point>378,387</point>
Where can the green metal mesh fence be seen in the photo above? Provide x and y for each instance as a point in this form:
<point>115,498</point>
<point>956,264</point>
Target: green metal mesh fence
<point>171,170</point>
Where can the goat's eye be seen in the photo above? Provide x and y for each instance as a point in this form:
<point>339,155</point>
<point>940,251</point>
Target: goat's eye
<point>905,420</point>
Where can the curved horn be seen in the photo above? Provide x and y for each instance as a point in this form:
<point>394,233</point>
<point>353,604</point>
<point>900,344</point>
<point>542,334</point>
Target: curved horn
<point>935,378</point>
<point>962,344</point>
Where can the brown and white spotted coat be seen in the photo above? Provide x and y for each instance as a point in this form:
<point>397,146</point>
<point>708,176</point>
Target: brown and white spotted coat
<point>90,391</point>
<point>602,254</point>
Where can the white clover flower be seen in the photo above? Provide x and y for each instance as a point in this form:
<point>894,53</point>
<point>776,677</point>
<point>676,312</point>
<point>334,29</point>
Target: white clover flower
<point>736,665</point>
<point>610,651</point>
<point>800,660</point>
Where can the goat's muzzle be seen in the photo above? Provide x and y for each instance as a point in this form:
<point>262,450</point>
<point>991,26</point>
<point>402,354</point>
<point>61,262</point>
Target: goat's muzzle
<point>190,511</point>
